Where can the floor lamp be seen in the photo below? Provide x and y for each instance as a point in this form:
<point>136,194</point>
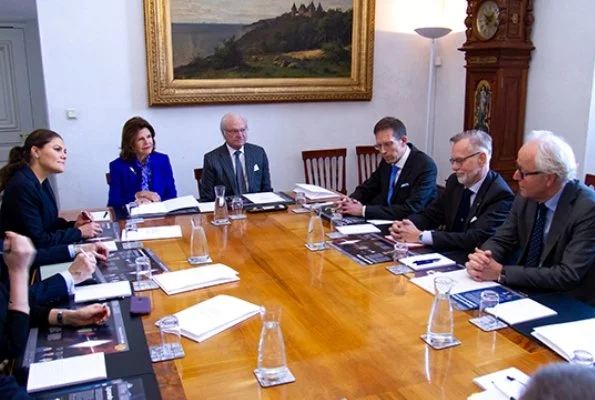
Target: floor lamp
<point>433,34</point>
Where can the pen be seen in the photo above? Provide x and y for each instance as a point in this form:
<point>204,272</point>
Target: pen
<point>503,392</point>
<point>428,261</point>
<point>85,254</point>
<point>87,216</point>
<point>105,214</point>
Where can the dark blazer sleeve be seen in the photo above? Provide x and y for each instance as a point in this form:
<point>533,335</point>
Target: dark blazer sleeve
<point>14,328</point>
<point>434,215</point>
<point>52,255</point>
<point>116,196</point>
<point>49,291</point>
<point>208,178</point>
<point>371,187</point>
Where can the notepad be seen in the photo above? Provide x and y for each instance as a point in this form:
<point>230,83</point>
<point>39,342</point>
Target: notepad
<point>152,233</point>
<point>46,271</point>
<point>195,278</point>
<point>164,207</point>
<point>111,245</point>
<point>66,371</point>
<point>426,261</point>
<point>568,337</point>
<point>515,312</point>
<point>101,216</point>
<point>358,228</point>
<point>463,282</point>
<point>264,198</point>
<point>314,192</point>
<point>508,383</point>
<point>213,316</point>
<point>102,291</point>
<point>380,221</point>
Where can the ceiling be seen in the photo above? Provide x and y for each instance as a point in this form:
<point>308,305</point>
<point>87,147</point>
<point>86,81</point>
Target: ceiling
<point>15,10</point>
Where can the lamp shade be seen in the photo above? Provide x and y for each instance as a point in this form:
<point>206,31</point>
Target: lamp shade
<point>433,32</point>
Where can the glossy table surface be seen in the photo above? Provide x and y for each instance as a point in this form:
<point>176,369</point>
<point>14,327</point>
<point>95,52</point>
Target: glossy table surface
<point>351,331</point>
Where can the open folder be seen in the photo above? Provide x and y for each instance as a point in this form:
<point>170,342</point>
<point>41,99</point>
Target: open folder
<point>195,278</point>
<point>206,319</point>
<point>188,203</point>
<point>314,192</point>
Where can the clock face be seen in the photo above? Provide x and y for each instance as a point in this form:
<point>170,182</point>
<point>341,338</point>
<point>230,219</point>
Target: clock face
<point>486,20</point>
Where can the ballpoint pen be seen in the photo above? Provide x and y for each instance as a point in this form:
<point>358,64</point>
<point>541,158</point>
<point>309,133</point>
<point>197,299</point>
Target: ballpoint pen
<point>87,216</point>
<point>105,214</point>
<point>428,261</point>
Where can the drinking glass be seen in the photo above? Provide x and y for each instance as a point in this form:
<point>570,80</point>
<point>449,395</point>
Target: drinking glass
<point>488,299</point>
<point>144,273</point>
<point>400,250</point>
<point>171,346</point>
<point>237,208</point>
<point>582,357</point>
<point>300,199</point>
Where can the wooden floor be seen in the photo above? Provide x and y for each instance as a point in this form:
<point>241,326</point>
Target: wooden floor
<point>351,332</point>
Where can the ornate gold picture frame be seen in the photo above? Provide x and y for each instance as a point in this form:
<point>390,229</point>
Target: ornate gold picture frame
<point>200,52</point>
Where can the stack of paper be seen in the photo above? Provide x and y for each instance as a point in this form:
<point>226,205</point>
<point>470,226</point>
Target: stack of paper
<point>156,232</point>
<point>213,316</point>
<point>501,385</point>
<point>66,371</point>
<point>515,312</point>
<point>357,229</point>
<point>426,261</point>
<point>566,338</point>
<point>164,207</point>
<point>195,278</point>
<point>463,282</point>
<point>102,291</point>
<point>264,198</point>
<point>314,192</point>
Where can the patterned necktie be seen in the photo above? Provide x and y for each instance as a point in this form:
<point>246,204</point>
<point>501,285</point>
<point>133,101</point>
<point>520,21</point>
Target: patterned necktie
<point>536,240</point>
<point>391,184</point>
<point>240,182</point>
<point>463,211</point>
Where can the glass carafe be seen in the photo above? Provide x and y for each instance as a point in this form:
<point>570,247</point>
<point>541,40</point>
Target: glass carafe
<point>272,363</point>
<point>316,240</point>
<point>441,321</point>
<point>199,248</point>
<point>220,216</point>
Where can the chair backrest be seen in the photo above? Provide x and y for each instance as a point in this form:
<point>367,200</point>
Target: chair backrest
<point>107,179</point>
<point>590,180</point>
<point>326,168</point>
<point>197,175</point>
<point>368,159</point>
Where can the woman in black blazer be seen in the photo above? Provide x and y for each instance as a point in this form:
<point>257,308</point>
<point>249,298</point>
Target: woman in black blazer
<point>28,203</point>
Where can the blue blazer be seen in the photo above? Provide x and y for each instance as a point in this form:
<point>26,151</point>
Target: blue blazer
<point>125,180</point>
<point>29,208</point>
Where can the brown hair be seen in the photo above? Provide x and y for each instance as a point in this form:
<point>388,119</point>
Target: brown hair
<point>394,124</point>
<point>21,155</point>
<point>129,131</point>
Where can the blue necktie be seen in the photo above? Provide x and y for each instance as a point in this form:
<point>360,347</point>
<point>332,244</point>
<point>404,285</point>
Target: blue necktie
<point>536,240</point>
<point>391,184</point>
<point>463,211</point>
<point>240,182</point>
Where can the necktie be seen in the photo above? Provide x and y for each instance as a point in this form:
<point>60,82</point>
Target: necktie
<point>240,182</point>
<point>391,184</point>
<point>536,239</point>
<point>462,211</point>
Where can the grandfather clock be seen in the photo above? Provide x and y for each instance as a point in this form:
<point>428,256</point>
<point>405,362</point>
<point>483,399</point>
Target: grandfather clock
<point>497,53</point>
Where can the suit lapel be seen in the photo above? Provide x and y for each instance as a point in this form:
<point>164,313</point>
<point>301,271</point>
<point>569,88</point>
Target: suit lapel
<point>559,219</point>
<point>225,159</point>
<point>529,222</point>
<point>249,161</point>
<point>457,195</point>
<point>481,193</point>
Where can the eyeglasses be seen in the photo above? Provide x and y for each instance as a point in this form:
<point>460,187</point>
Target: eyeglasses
<point>385,145</point>
<point>235,131</point>
<point>523,174</point>
<point>461,160</point>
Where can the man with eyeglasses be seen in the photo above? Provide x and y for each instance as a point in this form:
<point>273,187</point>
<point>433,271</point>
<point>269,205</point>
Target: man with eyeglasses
<point>404,182</point>
<point>473,204</point>
<point>241,167</point>
<point>551,223</point>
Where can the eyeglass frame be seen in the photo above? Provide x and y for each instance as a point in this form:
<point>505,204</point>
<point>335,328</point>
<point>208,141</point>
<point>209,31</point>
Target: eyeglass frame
<point>385,145</point>
<point>235,131</point>
<point>523,174</point>
<point>461,160</point>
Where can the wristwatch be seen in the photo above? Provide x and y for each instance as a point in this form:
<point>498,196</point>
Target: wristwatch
<point>421,235</point>
<point>502,277</point>
<point>60,317</point>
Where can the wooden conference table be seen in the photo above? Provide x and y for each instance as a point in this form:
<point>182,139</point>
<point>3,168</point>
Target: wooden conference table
<point>351,331</point>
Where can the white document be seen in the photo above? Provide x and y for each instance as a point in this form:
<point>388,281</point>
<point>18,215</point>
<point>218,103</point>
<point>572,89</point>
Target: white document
<point>206,207</point>
<point>66,372</point>
<point>426,261</point>
<point>488,395</point>
<point>568,337</point>
<point>101,216</point>
<point>111,245</point>
<point>517,311</point>
<point>314,192</point>
<point>46,271</point>
<point>213,316</point>
<point>165,207</point>
<point>102,291</point>
<point>358,228</point>
<point>195,278</point>
<point>463,282</point>
<point>264,198</point>
<point>380,221</point>
<point>150,233</point>
<point>507,383</point>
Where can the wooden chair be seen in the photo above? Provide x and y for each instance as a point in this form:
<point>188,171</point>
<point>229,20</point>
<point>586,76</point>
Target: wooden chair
<point>107,179</point>
<point>368,159</point>
<point>197,175</point>
<point>326,168</point>
<point>590,180</point>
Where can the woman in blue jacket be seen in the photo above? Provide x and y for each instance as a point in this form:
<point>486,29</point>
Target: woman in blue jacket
<point>140,173</point>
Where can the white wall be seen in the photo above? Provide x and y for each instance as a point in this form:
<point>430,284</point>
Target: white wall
<point>94,61</point>
<point>590,147</point>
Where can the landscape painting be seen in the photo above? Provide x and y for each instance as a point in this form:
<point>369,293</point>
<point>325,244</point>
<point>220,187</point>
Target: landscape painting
<point>232,51</point>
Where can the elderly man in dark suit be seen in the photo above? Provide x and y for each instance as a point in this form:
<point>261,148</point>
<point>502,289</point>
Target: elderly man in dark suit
<point>241,167</point>
<point>552,223</point>
<point>474,203</point>
<point>404,182</point>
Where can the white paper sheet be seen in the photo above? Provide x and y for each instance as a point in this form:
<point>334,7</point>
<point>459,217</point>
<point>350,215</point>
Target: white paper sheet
<point>195,278</point>
<point>463,283</point>
<point>102,291</point>
<point>508,383</point>
<point>358,228</point>
<point>522,310</point>
<point>100,216</point>
<point>152,233</point>
<point>426,261</point>
<point>380,221</point>
<point>264,198</point>
<point>314,192</point>
<point>206,207</point>
<point>568,337</point>
<point>46,271</point>
<point>66,371</point>
<point>206,319</point>
<point>165,207</point>
<point>111,245</point>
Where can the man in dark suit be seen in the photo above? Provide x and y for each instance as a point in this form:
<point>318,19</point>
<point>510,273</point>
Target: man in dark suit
<point>241,167</point>
<point>552,224</point>
<point>404,182</point>
<point>474,203</point>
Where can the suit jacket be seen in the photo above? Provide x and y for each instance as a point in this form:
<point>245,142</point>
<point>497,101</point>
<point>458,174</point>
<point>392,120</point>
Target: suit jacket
<point>488,211</point>
<point>126,179</point>
<point>218,170</point>
<point>30,208</point>
<point>414,190</point>
<point>567,263</point>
